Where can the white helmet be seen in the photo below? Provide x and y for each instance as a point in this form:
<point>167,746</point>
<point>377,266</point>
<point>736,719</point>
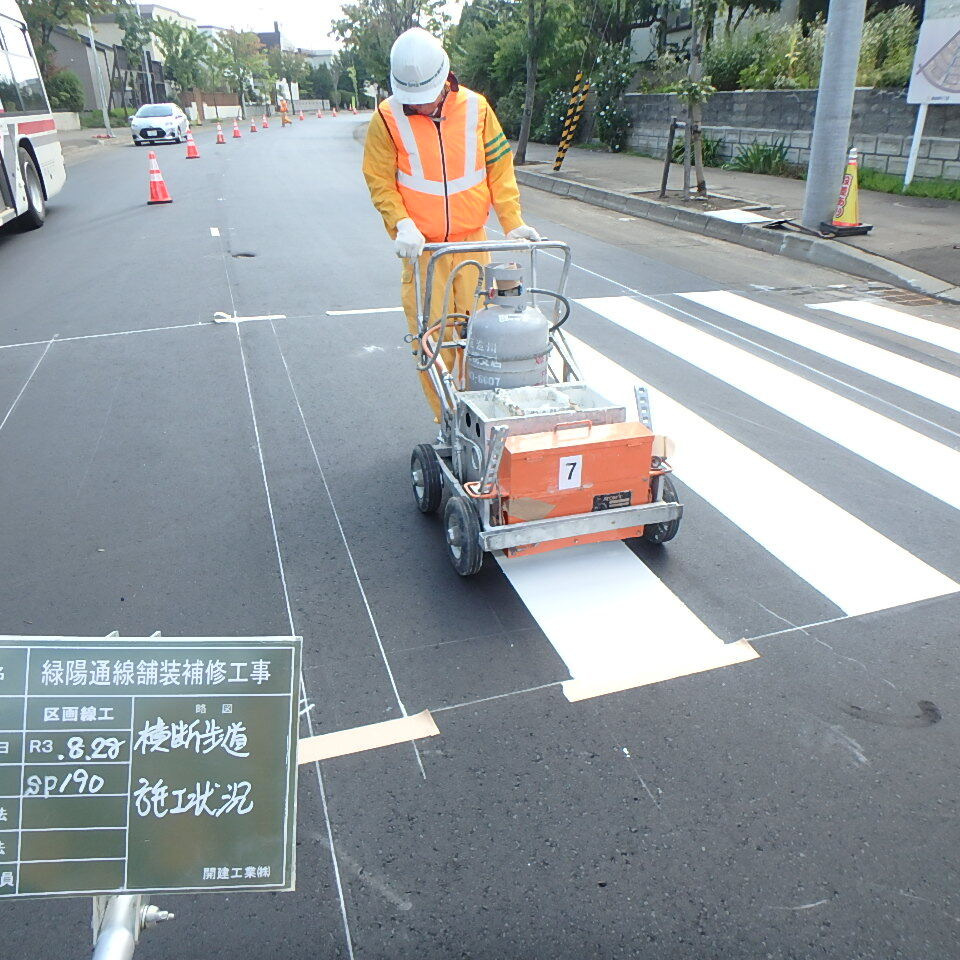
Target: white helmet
<point>418,67</point>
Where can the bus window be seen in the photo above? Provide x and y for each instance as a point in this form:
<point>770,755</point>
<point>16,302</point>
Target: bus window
<point>8,89</point>
<point>24,67</point>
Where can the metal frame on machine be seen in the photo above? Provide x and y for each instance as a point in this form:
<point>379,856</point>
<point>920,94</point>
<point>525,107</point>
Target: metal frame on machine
<point>493,535</point>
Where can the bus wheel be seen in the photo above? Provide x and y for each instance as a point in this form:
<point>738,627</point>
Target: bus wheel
<point>36,211</point>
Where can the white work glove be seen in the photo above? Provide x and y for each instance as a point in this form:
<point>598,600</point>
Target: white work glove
<point>409,242</point>
<point>523,232</point>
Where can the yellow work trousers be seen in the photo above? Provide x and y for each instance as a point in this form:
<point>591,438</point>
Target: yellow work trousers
<point>461,301</point>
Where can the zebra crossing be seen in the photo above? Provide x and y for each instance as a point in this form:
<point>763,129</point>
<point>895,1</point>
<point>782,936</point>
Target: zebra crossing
<point>617,624</point>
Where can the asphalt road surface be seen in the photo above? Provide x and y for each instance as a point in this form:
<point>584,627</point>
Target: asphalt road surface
<point>159,471</point>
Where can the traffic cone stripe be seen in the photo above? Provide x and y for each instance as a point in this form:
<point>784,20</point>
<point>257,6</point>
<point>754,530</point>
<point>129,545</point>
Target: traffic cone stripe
<point>192,152</point>
<point>158,188</point>
<point>236,129</point>
<point>220,136</point>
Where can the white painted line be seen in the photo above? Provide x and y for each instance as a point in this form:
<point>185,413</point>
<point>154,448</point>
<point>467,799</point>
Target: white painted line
<point>860,571</point>
<point>98,336</point>
<point>739,216</point>
<point>614,624</point>
<point>16,400</point>
<point>355,313</point>
<point>918,378</point>
<point>916,459</point>
<point>221,317</point>
<point>372,736</point>
<point>866,311</point>
<point>214,231</point>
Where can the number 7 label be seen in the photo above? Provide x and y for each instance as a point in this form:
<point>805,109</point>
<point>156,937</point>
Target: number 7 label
<point>571,471</point>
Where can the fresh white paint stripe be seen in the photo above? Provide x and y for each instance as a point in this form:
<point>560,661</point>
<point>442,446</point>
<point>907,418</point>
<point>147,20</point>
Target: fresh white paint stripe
<point>918,378</point>
<point>918,460</point>
<point>860,570</point>
<point>214,231</point>
<point>354,313</point>
<point>906,324</point>
<point>613,623</point>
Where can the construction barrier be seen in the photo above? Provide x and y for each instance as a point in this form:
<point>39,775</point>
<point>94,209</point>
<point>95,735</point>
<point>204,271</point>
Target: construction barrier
<point>578,99</point>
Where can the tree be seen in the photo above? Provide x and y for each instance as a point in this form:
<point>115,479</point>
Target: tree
<point>536,13</point>
<point>43,15</point>
<point>136,33</point>
<point>239,58</point>
<point>286,65</point>
<point>186,53</point>
<point>318,83</point>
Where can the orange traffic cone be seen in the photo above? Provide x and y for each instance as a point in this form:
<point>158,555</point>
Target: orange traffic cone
<point>265,123</point>
<point>846,218</point>
<point>236,129</point>
<point>253,125</point>
<point>334,111</point>
<point>220,137</point>
<point>158,189</point>
<point>354,111</point>
<point>192,152</point>
<point>319,114</point>
<point>301,114</point>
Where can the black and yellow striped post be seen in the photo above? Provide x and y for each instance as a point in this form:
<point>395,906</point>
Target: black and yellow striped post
<point>578,98</point>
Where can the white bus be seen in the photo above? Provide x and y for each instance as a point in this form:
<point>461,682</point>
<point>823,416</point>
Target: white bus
<point>31,162</point>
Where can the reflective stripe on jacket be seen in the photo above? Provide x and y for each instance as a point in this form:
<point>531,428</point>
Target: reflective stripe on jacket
<point>441,169</point>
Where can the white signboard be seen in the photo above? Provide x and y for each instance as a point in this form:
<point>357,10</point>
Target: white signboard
<point>936,66</point>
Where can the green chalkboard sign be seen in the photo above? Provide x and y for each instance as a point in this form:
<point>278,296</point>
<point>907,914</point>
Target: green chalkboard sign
<point>147,765</point>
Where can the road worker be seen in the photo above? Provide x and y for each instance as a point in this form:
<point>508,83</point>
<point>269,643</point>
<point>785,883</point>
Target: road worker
<point>435,161</point>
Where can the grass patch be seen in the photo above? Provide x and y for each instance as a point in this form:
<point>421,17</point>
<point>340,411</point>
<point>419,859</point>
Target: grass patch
<point>892,183</point>
<point>94,118</point>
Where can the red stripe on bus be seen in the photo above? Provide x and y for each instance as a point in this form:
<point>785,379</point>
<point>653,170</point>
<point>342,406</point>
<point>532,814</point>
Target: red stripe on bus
<point>36,126</point>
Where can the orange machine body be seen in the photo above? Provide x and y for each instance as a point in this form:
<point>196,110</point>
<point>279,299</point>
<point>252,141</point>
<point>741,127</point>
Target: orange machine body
<point>576,468</point>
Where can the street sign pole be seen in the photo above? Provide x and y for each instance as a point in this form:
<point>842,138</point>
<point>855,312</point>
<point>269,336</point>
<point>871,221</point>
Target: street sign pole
<point>831,123</point>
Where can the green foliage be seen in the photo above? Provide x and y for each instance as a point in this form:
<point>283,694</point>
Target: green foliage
<point>93,119</point>
<point>663,74</point>
<point>317,84</point>
<point>238,59</point>
<point>790,57</point>
<point>762,158</point>
<point>891,183</point>
<point>185,51</point>
<point>510,111</point>
<point>136,32</point>
<point>287,65</point>
<point>65,91</point>
<point>727,56</point>
<point>712,150</point>
<point>610,81</point>
<point>551,116</point>
<point>693,91</point>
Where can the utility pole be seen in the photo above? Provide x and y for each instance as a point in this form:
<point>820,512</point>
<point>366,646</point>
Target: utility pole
<point>100,90</point>
<point>831,123</point>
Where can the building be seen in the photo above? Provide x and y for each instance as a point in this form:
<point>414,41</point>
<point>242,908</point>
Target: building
<point>317,58</point>
<point>275,40</point>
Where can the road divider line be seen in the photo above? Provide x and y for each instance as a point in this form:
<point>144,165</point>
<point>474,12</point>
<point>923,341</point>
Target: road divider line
<point>917,378</point>
<point>928,465</point>
<point>862,571</point>
<point>878,315</point>
<point>612,621</point>
<point>372,736</point>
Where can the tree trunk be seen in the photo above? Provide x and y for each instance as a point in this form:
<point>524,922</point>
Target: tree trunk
<point>528,99</point>
<point>696,109</point>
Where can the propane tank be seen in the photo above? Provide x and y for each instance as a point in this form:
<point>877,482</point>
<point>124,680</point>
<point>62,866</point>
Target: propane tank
<point>509,339</point>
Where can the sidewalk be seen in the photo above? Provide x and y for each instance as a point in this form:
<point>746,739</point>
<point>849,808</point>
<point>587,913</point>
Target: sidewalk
<point>79,145</point>
<point>911,234</point>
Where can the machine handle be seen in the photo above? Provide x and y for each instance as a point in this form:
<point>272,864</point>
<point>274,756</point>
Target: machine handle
<point>573,424</point>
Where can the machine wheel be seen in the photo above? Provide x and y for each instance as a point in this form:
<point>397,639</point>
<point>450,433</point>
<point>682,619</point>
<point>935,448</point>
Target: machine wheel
<point>668,529</point>
<point>36,211</point>
<point>462,531</point>
<point>426,478</point>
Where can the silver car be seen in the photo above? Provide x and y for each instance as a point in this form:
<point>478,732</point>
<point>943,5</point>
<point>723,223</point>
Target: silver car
<point>159,121</point>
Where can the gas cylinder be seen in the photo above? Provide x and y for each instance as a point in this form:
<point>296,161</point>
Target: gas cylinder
<point>508,340</point>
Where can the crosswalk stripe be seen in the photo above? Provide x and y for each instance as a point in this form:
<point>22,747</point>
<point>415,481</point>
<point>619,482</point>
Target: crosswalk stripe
<point>850,563</point>
<point>612,621</point>
<point>918,378</point>
<point>926,464</point>
<point>937,334</point>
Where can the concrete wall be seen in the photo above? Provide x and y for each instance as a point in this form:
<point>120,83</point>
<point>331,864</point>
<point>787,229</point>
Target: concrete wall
<point>881,129</point>
<point>66,121</point>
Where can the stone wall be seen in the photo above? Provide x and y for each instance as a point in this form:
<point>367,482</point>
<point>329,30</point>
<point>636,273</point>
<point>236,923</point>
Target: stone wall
<point>881,128</point>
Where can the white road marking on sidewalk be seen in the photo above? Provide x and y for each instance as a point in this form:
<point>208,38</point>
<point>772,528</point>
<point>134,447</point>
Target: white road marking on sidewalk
<point>861,571</point>
<point>612,621</point>
<point>16,400</point>
<point>214,231</point>
<point>926,464</point>
<point>866,311</point>
<point>918,378</point>
<point>371,736</point>
<point>355,313</point>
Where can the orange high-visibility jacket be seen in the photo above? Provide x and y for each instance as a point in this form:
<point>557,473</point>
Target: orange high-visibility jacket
<point>443,173</point>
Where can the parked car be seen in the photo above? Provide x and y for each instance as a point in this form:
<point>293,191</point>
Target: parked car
<point>159,121</point>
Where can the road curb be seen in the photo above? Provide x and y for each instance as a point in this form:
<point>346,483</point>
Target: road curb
<point>796,246</point>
